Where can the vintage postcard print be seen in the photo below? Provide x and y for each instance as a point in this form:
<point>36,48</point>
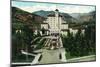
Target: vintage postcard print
<point>52,33</point>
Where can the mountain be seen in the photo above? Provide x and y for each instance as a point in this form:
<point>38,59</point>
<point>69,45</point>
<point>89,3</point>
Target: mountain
<point>66,16</point>
<point>93,13</point>
<point>69,18</point>
<point>43,13</point>
<point>75,15</point>
<point>84,17</point>
<point>26,18</point>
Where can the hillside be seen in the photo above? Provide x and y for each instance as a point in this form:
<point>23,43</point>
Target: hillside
<point>26,18</point>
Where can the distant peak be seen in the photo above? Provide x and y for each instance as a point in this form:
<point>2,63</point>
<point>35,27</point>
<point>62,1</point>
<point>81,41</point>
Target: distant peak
<point>41,10</point>
<point>56,10</point>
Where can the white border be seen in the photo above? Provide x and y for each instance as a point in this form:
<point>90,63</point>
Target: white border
<point>5,33</point>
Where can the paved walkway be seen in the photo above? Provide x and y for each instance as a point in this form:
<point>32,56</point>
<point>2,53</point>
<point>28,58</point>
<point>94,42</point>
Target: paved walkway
<point>50,56</point>
<point>53,56</point>
<point>35,61</point>
<point>63,52</point>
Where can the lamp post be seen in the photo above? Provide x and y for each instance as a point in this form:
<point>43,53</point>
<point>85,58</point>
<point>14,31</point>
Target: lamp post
<point>18,32</point>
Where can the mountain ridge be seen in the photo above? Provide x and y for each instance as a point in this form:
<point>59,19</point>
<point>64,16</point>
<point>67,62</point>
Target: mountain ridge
<point>44,13</point>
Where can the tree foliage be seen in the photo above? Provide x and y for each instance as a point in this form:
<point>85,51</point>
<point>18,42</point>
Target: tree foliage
<point>80,44</point>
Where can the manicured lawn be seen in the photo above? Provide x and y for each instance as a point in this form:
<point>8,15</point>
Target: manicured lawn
<point>23,58</point>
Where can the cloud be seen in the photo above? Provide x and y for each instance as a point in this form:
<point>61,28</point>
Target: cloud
<point>37,8</point>
<point>31,7</point>
<point>75,8</point>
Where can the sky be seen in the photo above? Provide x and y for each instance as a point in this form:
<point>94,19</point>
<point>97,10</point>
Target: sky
<point>66,8</point>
